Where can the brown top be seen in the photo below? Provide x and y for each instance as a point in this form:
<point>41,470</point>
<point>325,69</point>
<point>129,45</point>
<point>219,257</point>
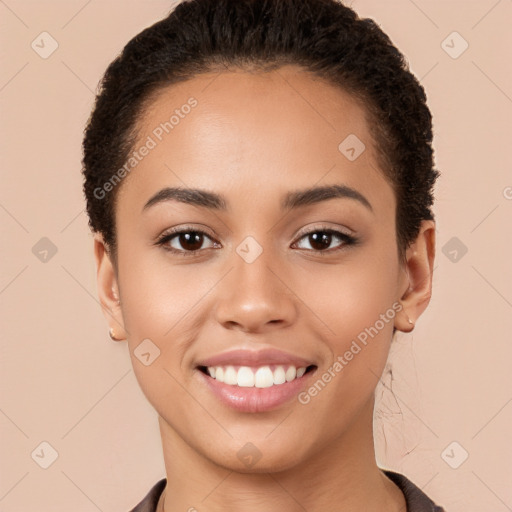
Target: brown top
<point>416,499</point>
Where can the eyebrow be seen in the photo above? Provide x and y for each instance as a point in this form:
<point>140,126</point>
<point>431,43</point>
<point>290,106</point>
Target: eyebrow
<point>292,200</point>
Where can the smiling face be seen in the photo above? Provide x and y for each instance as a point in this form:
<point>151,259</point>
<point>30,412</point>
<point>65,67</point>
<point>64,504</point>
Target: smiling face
<point>263,263</point>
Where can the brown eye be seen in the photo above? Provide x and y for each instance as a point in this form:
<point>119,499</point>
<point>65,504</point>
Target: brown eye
<point>191,241</point>
<point>185,242</point>
<point>320,240</point>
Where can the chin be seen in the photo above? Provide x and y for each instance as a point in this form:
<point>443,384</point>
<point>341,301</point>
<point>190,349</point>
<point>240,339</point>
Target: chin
<point>257,458</point>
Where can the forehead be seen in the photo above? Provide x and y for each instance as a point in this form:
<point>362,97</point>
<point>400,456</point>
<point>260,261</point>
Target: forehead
<point>251,129</point>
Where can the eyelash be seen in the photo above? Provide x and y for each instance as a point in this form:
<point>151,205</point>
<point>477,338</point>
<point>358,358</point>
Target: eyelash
<point>167,237</point>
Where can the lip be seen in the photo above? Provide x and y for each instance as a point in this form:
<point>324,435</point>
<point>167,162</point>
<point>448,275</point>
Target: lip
<point>254,399</point>
<point>243,357</point>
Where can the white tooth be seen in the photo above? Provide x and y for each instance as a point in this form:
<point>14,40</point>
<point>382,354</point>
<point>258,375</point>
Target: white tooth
<point>230,376</point>
<point>279,375</point>
<point>245,377</point>
<point>264,377</point>
<point>219,373</point>
<point>211,371</point>
<point>290,373</point>
<point>301,372</point>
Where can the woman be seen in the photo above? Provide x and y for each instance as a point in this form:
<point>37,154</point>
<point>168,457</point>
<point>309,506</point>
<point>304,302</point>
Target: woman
<point>259,179</point>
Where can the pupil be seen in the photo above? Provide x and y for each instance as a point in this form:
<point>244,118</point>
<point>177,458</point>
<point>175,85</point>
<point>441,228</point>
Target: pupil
<point>192,240</point>
<point>323,240</point>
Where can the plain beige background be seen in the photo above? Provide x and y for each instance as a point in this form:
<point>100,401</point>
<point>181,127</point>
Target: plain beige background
<point>63,382</point>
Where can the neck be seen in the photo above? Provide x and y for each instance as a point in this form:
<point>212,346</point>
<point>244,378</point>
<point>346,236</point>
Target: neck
<point>342,475</point>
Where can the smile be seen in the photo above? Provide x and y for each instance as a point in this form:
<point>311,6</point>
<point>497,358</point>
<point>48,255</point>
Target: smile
<point>259,377</point>
<point>255,389</point>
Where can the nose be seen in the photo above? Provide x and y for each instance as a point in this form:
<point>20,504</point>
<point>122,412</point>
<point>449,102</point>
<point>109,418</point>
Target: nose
<point>255,297</point>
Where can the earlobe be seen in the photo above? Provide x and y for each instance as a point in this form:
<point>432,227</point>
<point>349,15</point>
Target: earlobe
<point>108,290</point>
<point>417,282</point>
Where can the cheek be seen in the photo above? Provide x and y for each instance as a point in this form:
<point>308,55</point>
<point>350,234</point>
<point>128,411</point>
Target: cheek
<point>355,306</point>
<point>349,297</point>
<point>157,295</point>
<point>164,307</point>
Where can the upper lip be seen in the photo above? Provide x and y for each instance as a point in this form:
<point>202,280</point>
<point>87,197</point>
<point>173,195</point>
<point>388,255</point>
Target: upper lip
<point>244,357</point>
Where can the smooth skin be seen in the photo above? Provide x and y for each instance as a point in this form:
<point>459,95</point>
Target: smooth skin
<point>253,137</point>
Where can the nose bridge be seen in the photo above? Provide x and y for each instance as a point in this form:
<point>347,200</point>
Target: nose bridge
<point>252,261</point>
<point>254,296</point>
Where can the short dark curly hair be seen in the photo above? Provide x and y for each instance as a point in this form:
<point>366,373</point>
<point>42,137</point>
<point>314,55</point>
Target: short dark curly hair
<point>324,37</point>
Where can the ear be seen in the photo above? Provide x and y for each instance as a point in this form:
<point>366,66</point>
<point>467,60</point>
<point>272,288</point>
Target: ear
<point>108,289</point>
<point>416,285</point>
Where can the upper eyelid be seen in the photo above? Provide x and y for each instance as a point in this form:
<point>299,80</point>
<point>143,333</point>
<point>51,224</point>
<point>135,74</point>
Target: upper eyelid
<point>184,229</point>
<point>315,228</point>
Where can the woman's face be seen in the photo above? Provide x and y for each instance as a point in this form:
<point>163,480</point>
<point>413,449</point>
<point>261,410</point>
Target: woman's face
<point>283,276</point>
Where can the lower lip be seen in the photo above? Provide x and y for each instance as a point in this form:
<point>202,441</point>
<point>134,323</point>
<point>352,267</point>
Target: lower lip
<point>256,399</point>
